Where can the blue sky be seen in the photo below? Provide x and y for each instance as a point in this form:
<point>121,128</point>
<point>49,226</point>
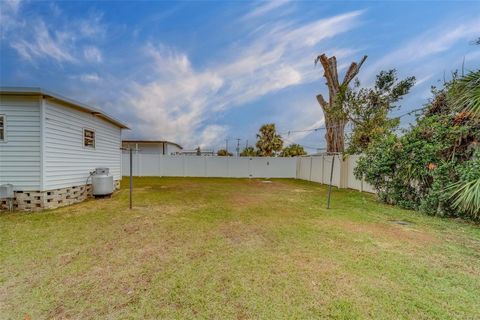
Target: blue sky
<point>199,72</point>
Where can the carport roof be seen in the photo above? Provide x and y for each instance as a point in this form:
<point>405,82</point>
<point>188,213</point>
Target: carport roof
<point>153,141</point>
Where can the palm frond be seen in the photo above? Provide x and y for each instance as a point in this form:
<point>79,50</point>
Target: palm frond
<point>466,196</point>
<point>465,94</point>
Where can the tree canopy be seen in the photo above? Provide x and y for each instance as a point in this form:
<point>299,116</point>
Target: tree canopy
<point>248,152</point>
<point>224,153</point>
<point>368,108</point>
<point>293,150</point>
<point>269,143</point>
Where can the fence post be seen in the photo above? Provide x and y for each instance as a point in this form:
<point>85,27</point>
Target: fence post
<point>310,174</point>
<point>323,169</point>
<point>228,167</point>
<point>183,166</point>
<point>330,186</point>
<point>343,183</point>
<point>160,165</point>
<point>205,166</point>
<point>138,164</point>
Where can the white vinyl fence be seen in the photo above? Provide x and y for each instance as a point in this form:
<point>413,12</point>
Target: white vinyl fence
<point>209,166</point>
<point>319,169</point>
<point>311,168</point>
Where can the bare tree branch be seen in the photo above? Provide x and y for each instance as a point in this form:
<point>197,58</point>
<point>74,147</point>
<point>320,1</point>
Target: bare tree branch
<point>332,87</point>
<point>322,102</point>
<point>353,71</point>
<point>332,61</point>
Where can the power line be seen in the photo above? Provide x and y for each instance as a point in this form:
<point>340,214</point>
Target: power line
<point>332,127</point>
<point>410,112</point>
<point>304,145</point>
<point>348,125</point>
<point>314,129</point>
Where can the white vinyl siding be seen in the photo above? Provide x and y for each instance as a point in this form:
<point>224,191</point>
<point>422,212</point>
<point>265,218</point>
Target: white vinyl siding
<point>66,161</point>
<point>20,154</point>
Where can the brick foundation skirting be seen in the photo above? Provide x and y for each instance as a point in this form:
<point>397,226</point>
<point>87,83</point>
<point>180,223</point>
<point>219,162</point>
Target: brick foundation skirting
<point>51,199</point>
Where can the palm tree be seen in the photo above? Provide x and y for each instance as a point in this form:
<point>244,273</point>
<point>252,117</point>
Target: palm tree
<point>466,196</point>
<point>293,150</point>
<point>248,152</point>
<point>465,96</point>
<point>269,142</point>
<point>224,153</point>
<point>465,93</point>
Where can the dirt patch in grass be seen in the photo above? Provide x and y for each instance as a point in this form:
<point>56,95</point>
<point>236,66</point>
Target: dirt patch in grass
<point>391,232</point>
<point>67,258</point>
<point>272,185</point>
<point>301,190</point>
<point>241,200</point>
<point>238,233</point>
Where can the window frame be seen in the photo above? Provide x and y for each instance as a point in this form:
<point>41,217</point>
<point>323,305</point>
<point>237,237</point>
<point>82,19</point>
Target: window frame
<point>4,128</point>
<point>94,138</point>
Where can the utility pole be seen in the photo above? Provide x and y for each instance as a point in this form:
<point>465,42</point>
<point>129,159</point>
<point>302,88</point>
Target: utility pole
<point>226,145</point>
<point>238,147</point>
<point>246,144</point>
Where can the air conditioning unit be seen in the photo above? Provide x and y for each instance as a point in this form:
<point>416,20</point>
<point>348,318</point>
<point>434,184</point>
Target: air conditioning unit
<point>6,191</point>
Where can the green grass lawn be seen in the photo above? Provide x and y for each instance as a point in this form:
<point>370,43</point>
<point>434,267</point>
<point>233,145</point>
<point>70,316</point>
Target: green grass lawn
<point>236,249</point>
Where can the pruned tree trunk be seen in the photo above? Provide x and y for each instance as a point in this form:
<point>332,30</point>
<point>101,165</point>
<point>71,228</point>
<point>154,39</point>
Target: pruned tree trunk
<point>335,134</point>
<point>336,117</point>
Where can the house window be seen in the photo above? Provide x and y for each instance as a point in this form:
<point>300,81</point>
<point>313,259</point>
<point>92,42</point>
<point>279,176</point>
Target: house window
<point>88,138</point>
<point>2,127</point>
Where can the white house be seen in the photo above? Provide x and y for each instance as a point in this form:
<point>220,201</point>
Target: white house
<point>49,144</point>
<point>152,147</point>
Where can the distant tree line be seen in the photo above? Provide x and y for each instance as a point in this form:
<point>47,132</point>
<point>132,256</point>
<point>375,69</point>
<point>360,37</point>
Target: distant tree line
<point>269,144</point>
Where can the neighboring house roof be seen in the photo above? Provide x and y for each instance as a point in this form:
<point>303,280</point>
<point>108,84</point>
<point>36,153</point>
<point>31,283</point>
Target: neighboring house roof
<point>152,142</point>
<point>33,91</point>
<point>195,152</point>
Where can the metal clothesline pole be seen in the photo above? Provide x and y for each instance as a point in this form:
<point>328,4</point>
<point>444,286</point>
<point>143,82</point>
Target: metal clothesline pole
<point>330,185</point>
<point>131,179</point>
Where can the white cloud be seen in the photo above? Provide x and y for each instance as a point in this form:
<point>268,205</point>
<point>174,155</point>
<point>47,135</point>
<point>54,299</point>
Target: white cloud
<point>43,43</point>
<point>11,6</point>
<point>91,27</point>
<point>90,77</point>
<point>173,106</point>
<point>426,45</point>
<point>212,135</point>
<point>265,8</point>
<point>8,16</point>
<point>57,38</point>
<point>178,100</point>
<point>92,54</point>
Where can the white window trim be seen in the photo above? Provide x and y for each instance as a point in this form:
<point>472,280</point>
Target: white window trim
<point>4,140</point>
<point>94,138</point>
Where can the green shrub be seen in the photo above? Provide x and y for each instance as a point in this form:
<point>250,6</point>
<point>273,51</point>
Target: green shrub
<point>425,166</point>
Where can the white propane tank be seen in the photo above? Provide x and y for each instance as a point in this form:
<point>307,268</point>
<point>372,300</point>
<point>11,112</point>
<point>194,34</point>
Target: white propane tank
<point>102,182</point>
